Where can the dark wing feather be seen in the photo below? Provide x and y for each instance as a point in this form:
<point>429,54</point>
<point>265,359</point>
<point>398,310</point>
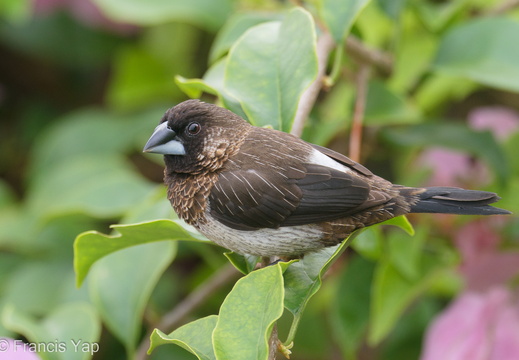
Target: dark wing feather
<point>327,195</point>
<point>253,199</point>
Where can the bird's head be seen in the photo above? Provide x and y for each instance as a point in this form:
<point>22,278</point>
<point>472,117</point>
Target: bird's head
<point>196,137</point>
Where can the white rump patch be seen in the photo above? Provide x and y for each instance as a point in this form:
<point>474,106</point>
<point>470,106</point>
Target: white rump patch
<point>318,158</point>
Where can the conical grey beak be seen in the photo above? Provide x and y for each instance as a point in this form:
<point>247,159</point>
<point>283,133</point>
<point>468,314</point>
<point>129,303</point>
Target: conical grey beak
<point>164,141</point>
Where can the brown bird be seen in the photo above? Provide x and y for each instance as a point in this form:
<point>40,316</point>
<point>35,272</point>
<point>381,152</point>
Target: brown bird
<point>264,192</point>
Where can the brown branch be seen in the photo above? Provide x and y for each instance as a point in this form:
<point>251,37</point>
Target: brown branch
<point>273,343</point>
<point>173,319</point>
<point>358,113</point>
<point>325,45</point>
<point>364,55</point>
<point>503,8</point>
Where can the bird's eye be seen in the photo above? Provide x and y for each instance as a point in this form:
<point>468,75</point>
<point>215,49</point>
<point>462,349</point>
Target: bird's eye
<point>194,128</point>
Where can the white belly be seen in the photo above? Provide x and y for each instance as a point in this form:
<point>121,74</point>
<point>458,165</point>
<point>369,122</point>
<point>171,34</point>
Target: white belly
<point>283,241</point>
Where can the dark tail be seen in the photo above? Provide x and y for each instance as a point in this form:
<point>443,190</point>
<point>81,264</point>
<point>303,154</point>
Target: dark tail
<point>450,200</point>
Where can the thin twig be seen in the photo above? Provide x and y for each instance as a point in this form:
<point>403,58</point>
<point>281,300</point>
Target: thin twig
<point>173,319</point>
<point>365,55</point>
<point>325,45</point>
<point>504,7</point>
<point>358,113</point>
<point>273,343</point>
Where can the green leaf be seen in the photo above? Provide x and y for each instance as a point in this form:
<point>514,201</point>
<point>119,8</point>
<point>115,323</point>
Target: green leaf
<point>194,87</point>
<point>304,278</point>
<point>391,294</point>
<point>6,194</point>
<point>212,83</point>
<point>369,243</point>
<point>351,305</point>
<point>401,222</point>
<point>412,61</point>
<point>440,89</point>
<point>454,136</point>
<point>209,14</point>
<point>339,16</point>
<point>437,15</point>
<point>393,290</point>
<point>156,206</point>
<point>15,10</point>
<point>195,337</point>
<point>84,184</point>
<point>244,263</point>
<point>60,40</point>
<point>35,287</point>
<point>248,314</point>
<point>70,332</point>
<point>332,117</point>
<point>484,50</point>
<point>234,27</point>
<point>89,131</point>
<point>405,251</point>
<point>139,79</point>
<point>392,8</point>
<point>91,246</point>
<point>385,107</point>
<point>121,284</point>
<point>270,66</point>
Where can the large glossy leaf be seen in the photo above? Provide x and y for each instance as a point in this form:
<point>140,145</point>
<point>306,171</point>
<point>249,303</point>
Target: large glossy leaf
<point>195,337</point>
<point>211,83</point>
<point>234,27</point>
<point>71,332</point>
<point>92,245</point>
<point>340,15</point>
<point>121,284</point>
<point>484,50</point>
<point>248,314</point>
<point>270,66</point>
<point>209,14</point>
<point>454,136</point>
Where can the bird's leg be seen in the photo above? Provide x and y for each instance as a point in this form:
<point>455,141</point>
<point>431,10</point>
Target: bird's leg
<point>269,261</point>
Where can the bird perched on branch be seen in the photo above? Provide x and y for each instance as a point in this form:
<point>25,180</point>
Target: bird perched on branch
<point>264,192</point>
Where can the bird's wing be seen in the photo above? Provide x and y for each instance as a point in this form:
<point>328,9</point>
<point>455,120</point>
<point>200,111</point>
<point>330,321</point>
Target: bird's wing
<point>265,198</point>
<point>344,160</point>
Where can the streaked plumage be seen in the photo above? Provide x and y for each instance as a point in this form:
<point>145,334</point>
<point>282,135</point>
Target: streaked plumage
<point>264,192</point>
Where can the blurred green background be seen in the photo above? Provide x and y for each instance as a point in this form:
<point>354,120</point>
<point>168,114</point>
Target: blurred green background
<point>83,84</point>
